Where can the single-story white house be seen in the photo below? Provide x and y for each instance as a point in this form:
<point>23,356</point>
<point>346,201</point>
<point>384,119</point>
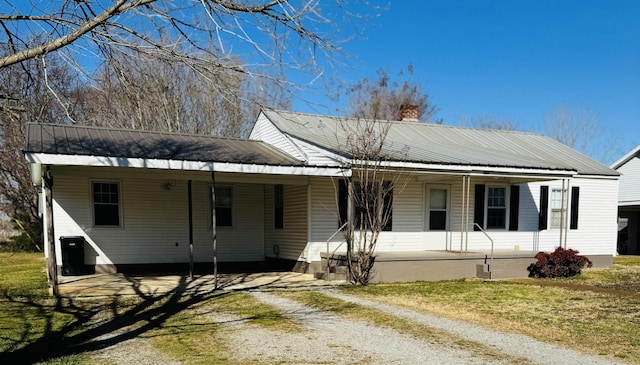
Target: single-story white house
<point>141,199</point>
<point>629,202</point>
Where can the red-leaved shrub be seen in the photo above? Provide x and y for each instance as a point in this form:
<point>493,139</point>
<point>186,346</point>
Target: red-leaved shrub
<point>559,263</point>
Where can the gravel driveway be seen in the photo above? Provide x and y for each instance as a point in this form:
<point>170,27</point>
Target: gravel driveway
<point>331,339</point>
<point>328,338</point>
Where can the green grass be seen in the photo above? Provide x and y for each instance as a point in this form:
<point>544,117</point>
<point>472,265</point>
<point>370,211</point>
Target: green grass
<point>23,275</point>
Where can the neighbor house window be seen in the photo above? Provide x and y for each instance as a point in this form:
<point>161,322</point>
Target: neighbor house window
<point>278,202</point>
<point>106,203</point>
<point>224,206</point>
<point>496,207</point>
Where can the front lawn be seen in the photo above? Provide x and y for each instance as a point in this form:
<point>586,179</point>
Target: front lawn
<point>603,322</point>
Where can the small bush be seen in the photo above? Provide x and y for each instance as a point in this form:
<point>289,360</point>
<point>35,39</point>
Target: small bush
<point>559,263</point>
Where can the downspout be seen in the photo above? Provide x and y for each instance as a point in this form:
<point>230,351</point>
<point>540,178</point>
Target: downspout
<point>214,231</point>
<point>190,200</point>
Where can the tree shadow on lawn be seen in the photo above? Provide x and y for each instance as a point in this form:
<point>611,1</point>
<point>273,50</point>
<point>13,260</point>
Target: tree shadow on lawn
<point>76,326</point>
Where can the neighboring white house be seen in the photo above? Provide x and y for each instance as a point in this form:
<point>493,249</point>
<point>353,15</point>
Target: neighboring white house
<point>140,198</point>
<point>629,202</point>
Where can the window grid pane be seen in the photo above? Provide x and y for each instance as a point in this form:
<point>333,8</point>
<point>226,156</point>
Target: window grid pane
<point>224,206</point>
<point>106,209</point>
<point>497,208</point>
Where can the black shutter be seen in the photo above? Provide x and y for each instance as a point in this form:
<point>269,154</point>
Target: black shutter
<point>514,207</point>
<point>343,198</point>
<point>544,207</point>
<point>478,207</point>
<point>575,197</point>
<point>387,208</point>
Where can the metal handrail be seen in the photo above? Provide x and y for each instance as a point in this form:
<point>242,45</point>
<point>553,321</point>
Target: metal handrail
<point>485,233</point>
<point>334,251</point>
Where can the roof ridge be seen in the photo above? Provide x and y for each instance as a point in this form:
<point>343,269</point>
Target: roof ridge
<point>426,124</point>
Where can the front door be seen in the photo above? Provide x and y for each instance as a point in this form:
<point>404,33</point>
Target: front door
<point>437,217</point>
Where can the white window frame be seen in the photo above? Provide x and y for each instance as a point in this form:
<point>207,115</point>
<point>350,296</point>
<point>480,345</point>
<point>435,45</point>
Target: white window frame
<point>554,223</point>
<point>93,203</point>
<point>507,192</point>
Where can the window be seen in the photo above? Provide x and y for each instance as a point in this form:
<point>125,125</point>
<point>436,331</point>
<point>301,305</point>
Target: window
<point>106,204</point>
<point>493,210</point>
<point>496,207</point>
<point>378,200</point>
<point>437,209</point>
<point>224,206</point>
<point>278,202</point>
<point>556,207</point>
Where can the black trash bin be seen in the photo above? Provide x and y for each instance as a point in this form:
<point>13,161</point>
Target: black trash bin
<point>72,255</point>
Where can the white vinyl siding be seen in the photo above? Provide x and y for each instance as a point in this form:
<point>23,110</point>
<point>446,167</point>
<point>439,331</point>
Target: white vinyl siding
<point>264,130</point>
<point>290,241</point>
<point>155,218</point>
<point>629,192</point>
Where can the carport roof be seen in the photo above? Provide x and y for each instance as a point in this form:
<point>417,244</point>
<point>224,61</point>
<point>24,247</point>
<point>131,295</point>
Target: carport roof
<point>54,139</point>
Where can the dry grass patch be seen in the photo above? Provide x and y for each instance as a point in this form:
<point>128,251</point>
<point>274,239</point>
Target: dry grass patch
<point>592,322</point>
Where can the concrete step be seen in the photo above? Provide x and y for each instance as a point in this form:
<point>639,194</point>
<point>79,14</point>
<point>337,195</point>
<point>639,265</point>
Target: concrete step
<point>482,271</point>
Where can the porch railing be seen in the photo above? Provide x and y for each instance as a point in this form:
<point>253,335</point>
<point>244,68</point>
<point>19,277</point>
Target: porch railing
<point>485,233</point>
<point>329,255</point>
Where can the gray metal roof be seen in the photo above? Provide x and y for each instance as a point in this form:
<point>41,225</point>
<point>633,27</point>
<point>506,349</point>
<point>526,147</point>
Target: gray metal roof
<point>95,141</point>
<point>439,144</point>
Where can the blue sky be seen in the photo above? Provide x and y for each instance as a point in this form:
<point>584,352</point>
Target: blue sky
<point>514,60</point>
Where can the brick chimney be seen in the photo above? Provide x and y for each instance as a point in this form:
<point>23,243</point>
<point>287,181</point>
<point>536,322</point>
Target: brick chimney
<point>408,113</point>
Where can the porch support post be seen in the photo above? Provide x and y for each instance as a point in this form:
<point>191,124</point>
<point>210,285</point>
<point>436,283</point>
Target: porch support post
<point>462,211</point>
<point>565,210</point>
<point>190,200</point>
<point>52,265</point>
<point>466,223</point>
<point>214,230</point>
<point>350,227</point>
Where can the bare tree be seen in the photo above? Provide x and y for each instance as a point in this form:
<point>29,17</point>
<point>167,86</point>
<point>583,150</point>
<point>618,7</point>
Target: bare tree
<point>383,97</point>
<point>369,192</point>
<point>26,95</point>
<point>269,35</point>
<point>494,123</point>
<point>575,128</point>
<point>145,93</point>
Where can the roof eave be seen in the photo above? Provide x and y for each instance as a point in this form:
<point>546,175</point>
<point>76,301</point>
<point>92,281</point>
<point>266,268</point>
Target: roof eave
<point>249,168</point>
